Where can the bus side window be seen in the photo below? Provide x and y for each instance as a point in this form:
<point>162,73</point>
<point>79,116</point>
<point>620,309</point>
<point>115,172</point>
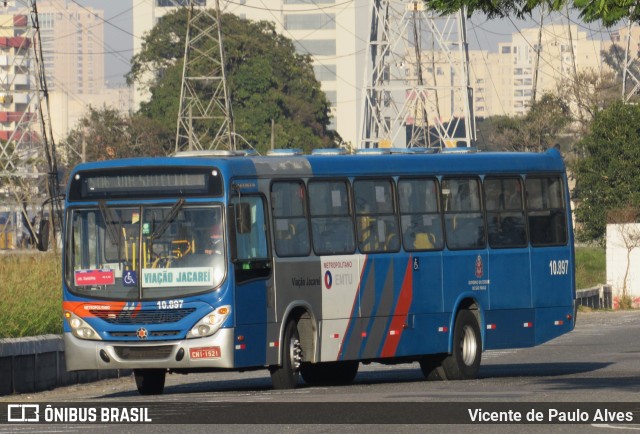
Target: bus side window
<point>419,214</point>
<point>463,218</point>
<point>375,216</point>
<point>291,230</point>
<point>505,213</point>
<point>546,211</point>
<point>331,219</point>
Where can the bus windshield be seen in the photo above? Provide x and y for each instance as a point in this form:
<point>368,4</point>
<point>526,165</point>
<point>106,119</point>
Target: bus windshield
<point>144,252</point>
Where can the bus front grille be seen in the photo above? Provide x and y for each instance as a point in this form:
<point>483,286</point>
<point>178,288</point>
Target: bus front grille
<point>142,316</point>
<point>154,334</point>
<point>144,353</point>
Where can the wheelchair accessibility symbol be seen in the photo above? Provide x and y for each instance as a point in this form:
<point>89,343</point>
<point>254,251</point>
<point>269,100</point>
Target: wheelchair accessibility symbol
<point>130,278</point>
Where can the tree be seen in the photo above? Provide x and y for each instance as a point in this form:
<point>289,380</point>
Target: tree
<point>608,176</point>
<point>588,93</point>
<point>267,80</point>
<point>106,133</point>
<point>495,9</point>
<point>609,11</point>
<point>535,132</point>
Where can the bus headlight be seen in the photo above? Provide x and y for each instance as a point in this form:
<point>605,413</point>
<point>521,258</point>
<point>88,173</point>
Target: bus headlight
<point>80,328</point>
<point>210,323</point>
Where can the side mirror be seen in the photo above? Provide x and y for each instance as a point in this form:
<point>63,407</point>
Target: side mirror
<point>243,217</point>
<point>43,235</point>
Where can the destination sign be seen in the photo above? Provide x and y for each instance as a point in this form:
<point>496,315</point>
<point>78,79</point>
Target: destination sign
<point>146,182</point>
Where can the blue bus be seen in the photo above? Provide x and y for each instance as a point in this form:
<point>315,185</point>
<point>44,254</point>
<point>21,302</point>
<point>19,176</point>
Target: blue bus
<point>307,265</point>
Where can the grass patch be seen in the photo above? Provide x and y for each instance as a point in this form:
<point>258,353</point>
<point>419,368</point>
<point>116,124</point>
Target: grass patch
<point>30,295</point>
<point>591,267</point>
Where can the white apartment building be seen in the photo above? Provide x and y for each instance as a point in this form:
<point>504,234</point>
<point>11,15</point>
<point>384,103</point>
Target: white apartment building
<point>503,82</point>
<point>334,33</point>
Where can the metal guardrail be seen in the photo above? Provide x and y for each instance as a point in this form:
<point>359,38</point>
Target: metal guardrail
<point>598,297</point>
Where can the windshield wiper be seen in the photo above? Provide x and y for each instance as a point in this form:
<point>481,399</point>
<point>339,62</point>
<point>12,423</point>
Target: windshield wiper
<point>167,220</point>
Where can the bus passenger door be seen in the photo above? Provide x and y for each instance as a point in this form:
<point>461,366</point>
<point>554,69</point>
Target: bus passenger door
<point>252,279</point>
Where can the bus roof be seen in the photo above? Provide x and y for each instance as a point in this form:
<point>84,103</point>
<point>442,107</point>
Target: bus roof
<point>354,164</point>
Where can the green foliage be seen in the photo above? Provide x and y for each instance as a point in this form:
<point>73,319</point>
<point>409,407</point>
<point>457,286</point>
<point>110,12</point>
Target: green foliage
<point>106,133</point>
<point>608,176</point>
<point>590,267</point>
<point>267,80</point>
<point>535,132</point>
<point>31,302</point>
<point>496,8</point>
<point>609,12</point>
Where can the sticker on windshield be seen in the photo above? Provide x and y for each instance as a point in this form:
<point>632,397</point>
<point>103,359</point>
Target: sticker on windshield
<point>172,277</point>
<point>94,277</point>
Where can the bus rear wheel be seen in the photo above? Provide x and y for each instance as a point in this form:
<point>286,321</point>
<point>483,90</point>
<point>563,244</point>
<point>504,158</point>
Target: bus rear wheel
<point>329,373</point>
<point>464,362</point>
<point>286,376</point>
<point>150,381</point>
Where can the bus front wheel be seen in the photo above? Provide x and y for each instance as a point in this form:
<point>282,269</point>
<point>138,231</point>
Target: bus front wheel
<point>150,381</point>
<point>286,375</point>
<point>464,362</point>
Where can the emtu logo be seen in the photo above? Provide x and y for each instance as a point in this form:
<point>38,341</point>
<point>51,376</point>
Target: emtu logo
<point>328,279</point>
<point>23,413</point>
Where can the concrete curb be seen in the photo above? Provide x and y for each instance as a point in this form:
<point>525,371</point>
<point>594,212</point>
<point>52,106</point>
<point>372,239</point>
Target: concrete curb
<point>37,363</point>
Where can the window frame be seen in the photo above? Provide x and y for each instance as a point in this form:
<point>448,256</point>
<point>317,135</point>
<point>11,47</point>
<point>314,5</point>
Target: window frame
<point>438,213</point>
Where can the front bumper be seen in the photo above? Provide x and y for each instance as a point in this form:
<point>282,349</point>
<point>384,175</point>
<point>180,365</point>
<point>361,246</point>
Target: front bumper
<point>216,351</point>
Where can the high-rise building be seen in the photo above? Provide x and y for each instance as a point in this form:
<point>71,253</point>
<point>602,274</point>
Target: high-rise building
<point>332,32</point>
<point>73,46</point>
<point>504,82</point>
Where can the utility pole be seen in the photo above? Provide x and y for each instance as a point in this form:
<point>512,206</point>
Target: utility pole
<point>408,103</point>
<point>205,118</point>
<point>28,154</point>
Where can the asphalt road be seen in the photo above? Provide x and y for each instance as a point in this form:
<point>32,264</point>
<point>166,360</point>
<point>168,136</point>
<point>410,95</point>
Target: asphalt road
<point>599,362</point>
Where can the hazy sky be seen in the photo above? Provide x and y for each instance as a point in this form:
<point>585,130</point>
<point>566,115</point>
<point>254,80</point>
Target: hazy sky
<point>481,33</point>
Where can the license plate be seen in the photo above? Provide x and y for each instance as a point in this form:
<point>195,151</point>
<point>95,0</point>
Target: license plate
<point>205,353</point>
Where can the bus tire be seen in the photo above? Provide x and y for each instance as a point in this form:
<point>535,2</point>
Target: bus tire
<point>329,373</point>
<point>431,367</point>
<point>463,363</point>
<point>286,375</point>
<point>150,381</point>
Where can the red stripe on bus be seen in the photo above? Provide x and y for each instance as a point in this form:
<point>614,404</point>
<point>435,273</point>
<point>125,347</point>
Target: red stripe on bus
<point>400,315</point>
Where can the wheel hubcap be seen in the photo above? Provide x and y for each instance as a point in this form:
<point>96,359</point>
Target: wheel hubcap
<point>469,346</point>
<point>295,353</point>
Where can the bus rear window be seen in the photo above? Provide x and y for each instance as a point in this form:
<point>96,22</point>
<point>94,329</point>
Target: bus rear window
<point>546,211</point>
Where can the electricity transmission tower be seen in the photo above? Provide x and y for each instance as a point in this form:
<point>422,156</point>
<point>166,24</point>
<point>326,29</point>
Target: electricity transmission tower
<point>28,161</point>
<point>416,89</point>
<point>630,68</point>
<point>205,119</point>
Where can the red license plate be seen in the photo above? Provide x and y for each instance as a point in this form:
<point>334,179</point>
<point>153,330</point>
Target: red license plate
<point>205,353</point>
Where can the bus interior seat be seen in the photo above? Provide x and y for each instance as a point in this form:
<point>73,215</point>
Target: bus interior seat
<point>424,240</point>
